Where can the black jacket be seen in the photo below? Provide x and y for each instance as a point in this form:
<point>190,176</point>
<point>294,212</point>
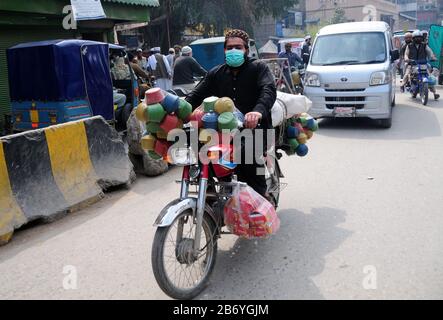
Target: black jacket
<point>305,52</point>
<point>252,89</point>
<point>417,53</point>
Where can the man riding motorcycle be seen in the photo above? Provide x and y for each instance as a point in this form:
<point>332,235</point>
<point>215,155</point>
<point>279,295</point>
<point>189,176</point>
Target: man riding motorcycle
<point>418,51</point>
<point>250,84</point>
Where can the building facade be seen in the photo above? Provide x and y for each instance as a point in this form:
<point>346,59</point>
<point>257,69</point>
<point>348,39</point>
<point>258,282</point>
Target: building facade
<point>322,11</point>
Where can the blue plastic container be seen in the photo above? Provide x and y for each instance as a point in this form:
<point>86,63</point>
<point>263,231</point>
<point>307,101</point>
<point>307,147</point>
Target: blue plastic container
<point>210,121</point>
<point>171,103</point>
<point>293,132</point>
<point>302,150</point>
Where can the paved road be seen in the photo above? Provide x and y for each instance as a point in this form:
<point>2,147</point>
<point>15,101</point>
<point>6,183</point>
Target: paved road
<point>364,200</point>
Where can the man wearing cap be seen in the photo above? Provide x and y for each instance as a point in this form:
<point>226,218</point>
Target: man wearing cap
<point>171,57</point>
<point>160,68</point>
<point>251,85</point>
<point>185,69</point>
<point>306,50</point>
<point>141,60</point>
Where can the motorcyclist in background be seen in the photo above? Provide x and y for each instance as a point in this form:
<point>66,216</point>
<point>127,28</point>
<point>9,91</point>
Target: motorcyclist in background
<point>418,51</point>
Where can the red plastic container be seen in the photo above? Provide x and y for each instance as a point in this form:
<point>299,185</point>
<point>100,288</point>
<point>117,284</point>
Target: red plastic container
<point>161,148</point>
<point>170,123</point>
<point>154,95</point>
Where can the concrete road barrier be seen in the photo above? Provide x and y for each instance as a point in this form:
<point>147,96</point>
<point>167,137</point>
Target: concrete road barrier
<point>49,172</point>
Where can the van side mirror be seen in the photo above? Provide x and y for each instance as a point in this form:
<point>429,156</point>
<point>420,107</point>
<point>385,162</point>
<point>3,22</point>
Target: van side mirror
<point>395,55</point>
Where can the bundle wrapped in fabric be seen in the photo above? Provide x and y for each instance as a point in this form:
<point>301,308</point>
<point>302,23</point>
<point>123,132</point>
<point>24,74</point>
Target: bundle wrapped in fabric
<point>287,106</point>
<point>248,215</point>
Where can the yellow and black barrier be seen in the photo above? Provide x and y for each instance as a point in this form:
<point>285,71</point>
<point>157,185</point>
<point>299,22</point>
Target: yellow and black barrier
<point>51,171</point>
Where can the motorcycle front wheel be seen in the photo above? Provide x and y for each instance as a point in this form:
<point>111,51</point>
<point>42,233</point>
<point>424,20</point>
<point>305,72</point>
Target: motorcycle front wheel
<point>178,272</point>
<point>424,94</point>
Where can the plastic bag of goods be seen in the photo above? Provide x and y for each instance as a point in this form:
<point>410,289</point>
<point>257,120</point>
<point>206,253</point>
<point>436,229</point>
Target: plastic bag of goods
<point>248,215</point>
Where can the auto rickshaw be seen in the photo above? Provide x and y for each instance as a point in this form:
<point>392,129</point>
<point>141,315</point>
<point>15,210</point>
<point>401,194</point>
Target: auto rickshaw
<point>58,81</point>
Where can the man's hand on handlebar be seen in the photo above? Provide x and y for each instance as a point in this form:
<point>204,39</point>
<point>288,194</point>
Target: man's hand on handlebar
<point>252,119</point>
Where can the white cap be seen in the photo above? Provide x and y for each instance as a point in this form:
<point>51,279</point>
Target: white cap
<point>139,50</point>
<point>307,37</point>
<point>186,50</point>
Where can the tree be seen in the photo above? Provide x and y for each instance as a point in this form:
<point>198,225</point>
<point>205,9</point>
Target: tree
<point>212,17</point>
<point>339,16</point>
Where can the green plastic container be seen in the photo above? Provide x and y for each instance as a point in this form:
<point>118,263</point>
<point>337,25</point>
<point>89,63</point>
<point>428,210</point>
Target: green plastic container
<point>184,109</point>
<point>153,127</point>
<point>209,104</point>
<point>154,155</point>
<point>294,144</point>
<point>227,121</point>
<point>156,113</point>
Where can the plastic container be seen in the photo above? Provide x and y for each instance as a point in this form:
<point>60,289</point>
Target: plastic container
<point>293,144</point>
<point>205,136</point>
<point>184,109</point>
<point>161,134</point>
<point>156,113</point>
<point>161,148</point>
<point>153,127</point>
<point>197,116</point>
<point>209,104</point>
<point>171,103</point>
<point>170,122</point>
<point>148,142</point>
<point>154,155</point>
<point>153,96</point>
<point>210,121</point>
<point>293,132</point>
<point>302,138</point>
<point>223,105</point>
<point>309,133</point>
<point>302,150</point>
<point>227,121</point>
<point>141,112</point>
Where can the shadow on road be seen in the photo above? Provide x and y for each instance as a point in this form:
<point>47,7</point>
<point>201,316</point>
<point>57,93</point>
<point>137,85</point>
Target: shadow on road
<point>281,267</point>
<point>409,123</point>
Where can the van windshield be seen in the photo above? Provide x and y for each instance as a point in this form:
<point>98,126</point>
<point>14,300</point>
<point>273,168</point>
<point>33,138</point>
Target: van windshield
<point>349,49</point>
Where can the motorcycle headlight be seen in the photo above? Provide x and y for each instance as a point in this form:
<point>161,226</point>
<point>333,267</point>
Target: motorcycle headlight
<point>182,157</point>
<point>379,78</point>
<point>312,79</point>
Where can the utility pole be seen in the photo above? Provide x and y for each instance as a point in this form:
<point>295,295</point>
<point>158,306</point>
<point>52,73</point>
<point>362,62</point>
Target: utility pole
<point>168,11</point>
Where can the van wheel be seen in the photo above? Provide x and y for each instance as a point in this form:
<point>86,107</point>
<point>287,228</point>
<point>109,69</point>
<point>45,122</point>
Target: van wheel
<point>385,123</point>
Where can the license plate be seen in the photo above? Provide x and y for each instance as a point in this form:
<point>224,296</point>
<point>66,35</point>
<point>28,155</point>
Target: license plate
<point>344,112</point>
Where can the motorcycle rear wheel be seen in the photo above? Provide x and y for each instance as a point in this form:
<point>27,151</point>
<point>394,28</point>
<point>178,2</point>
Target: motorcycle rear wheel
<point>195,277</point>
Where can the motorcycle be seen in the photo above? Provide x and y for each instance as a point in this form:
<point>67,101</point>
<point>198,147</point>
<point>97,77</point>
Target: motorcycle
<point>298,75</point>
<point>184,249</point>
<point>419,81</point>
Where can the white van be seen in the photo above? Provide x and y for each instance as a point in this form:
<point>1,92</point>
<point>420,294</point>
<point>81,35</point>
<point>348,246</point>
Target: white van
<point>351,72</point>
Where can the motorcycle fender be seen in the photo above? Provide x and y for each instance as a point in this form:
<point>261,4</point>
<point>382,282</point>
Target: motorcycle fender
<point>173,210</point>
<point>177,207</point>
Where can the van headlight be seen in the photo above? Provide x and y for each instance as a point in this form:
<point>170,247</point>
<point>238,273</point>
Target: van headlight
<point>312,79</point>
<point>379,78</point>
